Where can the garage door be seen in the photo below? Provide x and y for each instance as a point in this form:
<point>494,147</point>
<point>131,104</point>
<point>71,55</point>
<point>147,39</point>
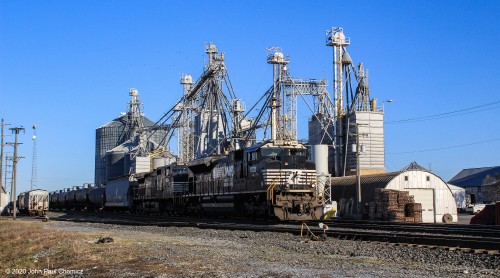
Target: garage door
<point>425,196</point>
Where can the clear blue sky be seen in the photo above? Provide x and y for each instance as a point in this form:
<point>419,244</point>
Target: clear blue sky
<point>68,66</point>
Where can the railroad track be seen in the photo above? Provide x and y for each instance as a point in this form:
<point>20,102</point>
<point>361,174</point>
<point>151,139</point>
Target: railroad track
<point>429,236</point>
<point>442,229</point>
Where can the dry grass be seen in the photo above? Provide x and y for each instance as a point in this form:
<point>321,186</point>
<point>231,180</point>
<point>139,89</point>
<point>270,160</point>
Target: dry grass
<point>31,245</point>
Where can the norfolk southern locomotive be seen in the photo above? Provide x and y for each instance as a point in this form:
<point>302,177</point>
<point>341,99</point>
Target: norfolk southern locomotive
<point>272,178</point>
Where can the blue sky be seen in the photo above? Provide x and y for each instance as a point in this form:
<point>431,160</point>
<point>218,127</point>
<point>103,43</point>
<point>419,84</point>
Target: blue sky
<point>68,66</point>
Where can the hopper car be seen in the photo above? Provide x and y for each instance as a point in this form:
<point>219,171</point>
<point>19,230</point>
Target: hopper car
<point>33,202</point>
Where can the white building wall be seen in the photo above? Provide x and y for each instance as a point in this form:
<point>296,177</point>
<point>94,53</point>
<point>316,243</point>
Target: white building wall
<point>4,201</point>
<point>444,202</point>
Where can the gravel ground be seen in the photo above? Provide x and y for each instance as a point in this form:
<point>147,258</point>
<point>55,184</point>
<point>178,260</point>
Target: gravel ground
<point>193,252</point>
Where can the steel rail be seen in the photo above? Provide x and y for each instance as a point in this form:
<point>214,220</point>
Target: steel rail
<point>437,229</point>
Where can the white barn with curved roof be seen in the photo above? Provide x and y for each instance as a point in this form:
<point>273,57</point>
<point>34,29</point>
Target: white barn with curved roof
<point>427,188</point>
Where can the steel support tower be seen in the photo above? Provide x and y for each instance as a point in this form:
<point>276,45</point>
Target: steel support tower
<point>212,108</point>
<point>186,131</point>
<point>34,170</point>
<point>8,179</point>
<point>285,91</point>
<point>135,124</point>
<point>280,126</point>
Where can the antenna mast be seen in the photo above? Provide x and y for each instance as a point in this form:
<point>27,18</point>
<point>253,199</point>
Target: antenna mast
<point>33,160</point>
<point>1,154</point>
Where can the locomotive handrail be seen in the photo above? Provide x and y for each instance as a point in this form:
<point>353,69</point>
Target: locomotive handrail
<point>270,190</point>
<point>319,196</point>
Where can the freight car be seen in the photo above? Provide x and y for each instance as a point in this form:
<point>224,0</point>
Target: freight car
<point>269,179</point>
<point>34,202</point>
<point>87,197</point>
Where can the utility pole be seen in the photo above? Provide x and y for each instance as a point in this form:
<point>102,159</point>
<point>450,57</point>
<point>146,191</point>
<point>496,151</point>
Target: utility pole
<point>15,130</point>
<point>359,149</point>
<point>358,174</point>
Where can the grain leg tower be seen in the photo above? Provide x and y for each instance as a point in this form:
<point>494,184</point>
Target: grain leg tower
<point>358,123</point>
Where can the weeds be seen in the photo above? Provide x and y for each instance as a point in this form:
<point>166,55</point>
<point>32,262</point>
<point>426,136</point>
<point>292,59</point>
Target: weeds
<point>28,245</point>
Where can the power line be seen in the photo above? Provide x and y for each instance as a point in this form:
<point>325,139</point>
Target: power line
<point>475,109</point>
<point>446,148</point>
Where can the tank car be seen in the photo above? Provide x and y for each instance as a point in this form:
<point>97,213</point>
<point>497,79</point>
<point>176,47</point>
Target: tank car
<point>61,199</point>
<point>20,202</point>
<point>70,199</point>
<point>53,199</point>
<point>82,197</point>
<point>97,198</point>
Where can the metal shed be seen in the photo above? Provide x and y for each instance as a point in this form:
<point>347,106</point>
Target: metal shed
<point>460,196</point>
<point>473,181</point>
<point>427,188</point>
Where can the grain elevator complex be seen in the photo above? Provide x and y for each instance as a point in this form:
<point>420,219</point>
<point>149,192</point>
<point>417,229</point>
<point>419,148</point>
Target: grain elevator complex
<point>345,131</point>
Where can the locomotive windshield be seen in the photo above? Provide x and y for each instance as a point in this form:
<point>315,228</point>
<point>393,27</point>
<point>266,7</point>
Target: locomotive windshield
<point>273,152</point>
<point>297,152</point>
<point>280,152</point>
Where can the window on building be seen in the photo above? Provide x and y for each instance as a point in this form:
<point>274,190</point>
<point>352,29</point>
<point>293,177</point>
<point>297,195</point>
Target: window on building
<point>406,178</point>
<point>428,178</point>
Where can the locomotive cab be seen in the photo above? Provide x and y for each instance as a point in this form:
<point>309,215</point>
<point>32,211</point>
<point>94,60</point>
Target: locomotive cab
<point>289,179</point>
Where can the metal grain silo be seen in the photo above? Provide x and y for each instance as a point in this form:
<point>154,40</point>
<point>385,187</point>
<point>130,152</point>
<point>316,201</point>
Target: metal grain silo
<point>110,136</point>
<point>107,137</point>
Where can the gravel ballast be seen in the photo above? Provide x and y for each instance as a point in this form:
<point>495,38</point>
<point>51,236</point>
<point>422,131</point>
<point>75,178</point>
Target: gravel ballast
<point>193,252</point>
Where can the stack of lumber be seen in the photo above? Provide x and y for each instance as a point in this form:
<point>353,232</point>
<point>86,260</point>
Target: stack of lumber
<point>395,206</point>
<point>414,212</point>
